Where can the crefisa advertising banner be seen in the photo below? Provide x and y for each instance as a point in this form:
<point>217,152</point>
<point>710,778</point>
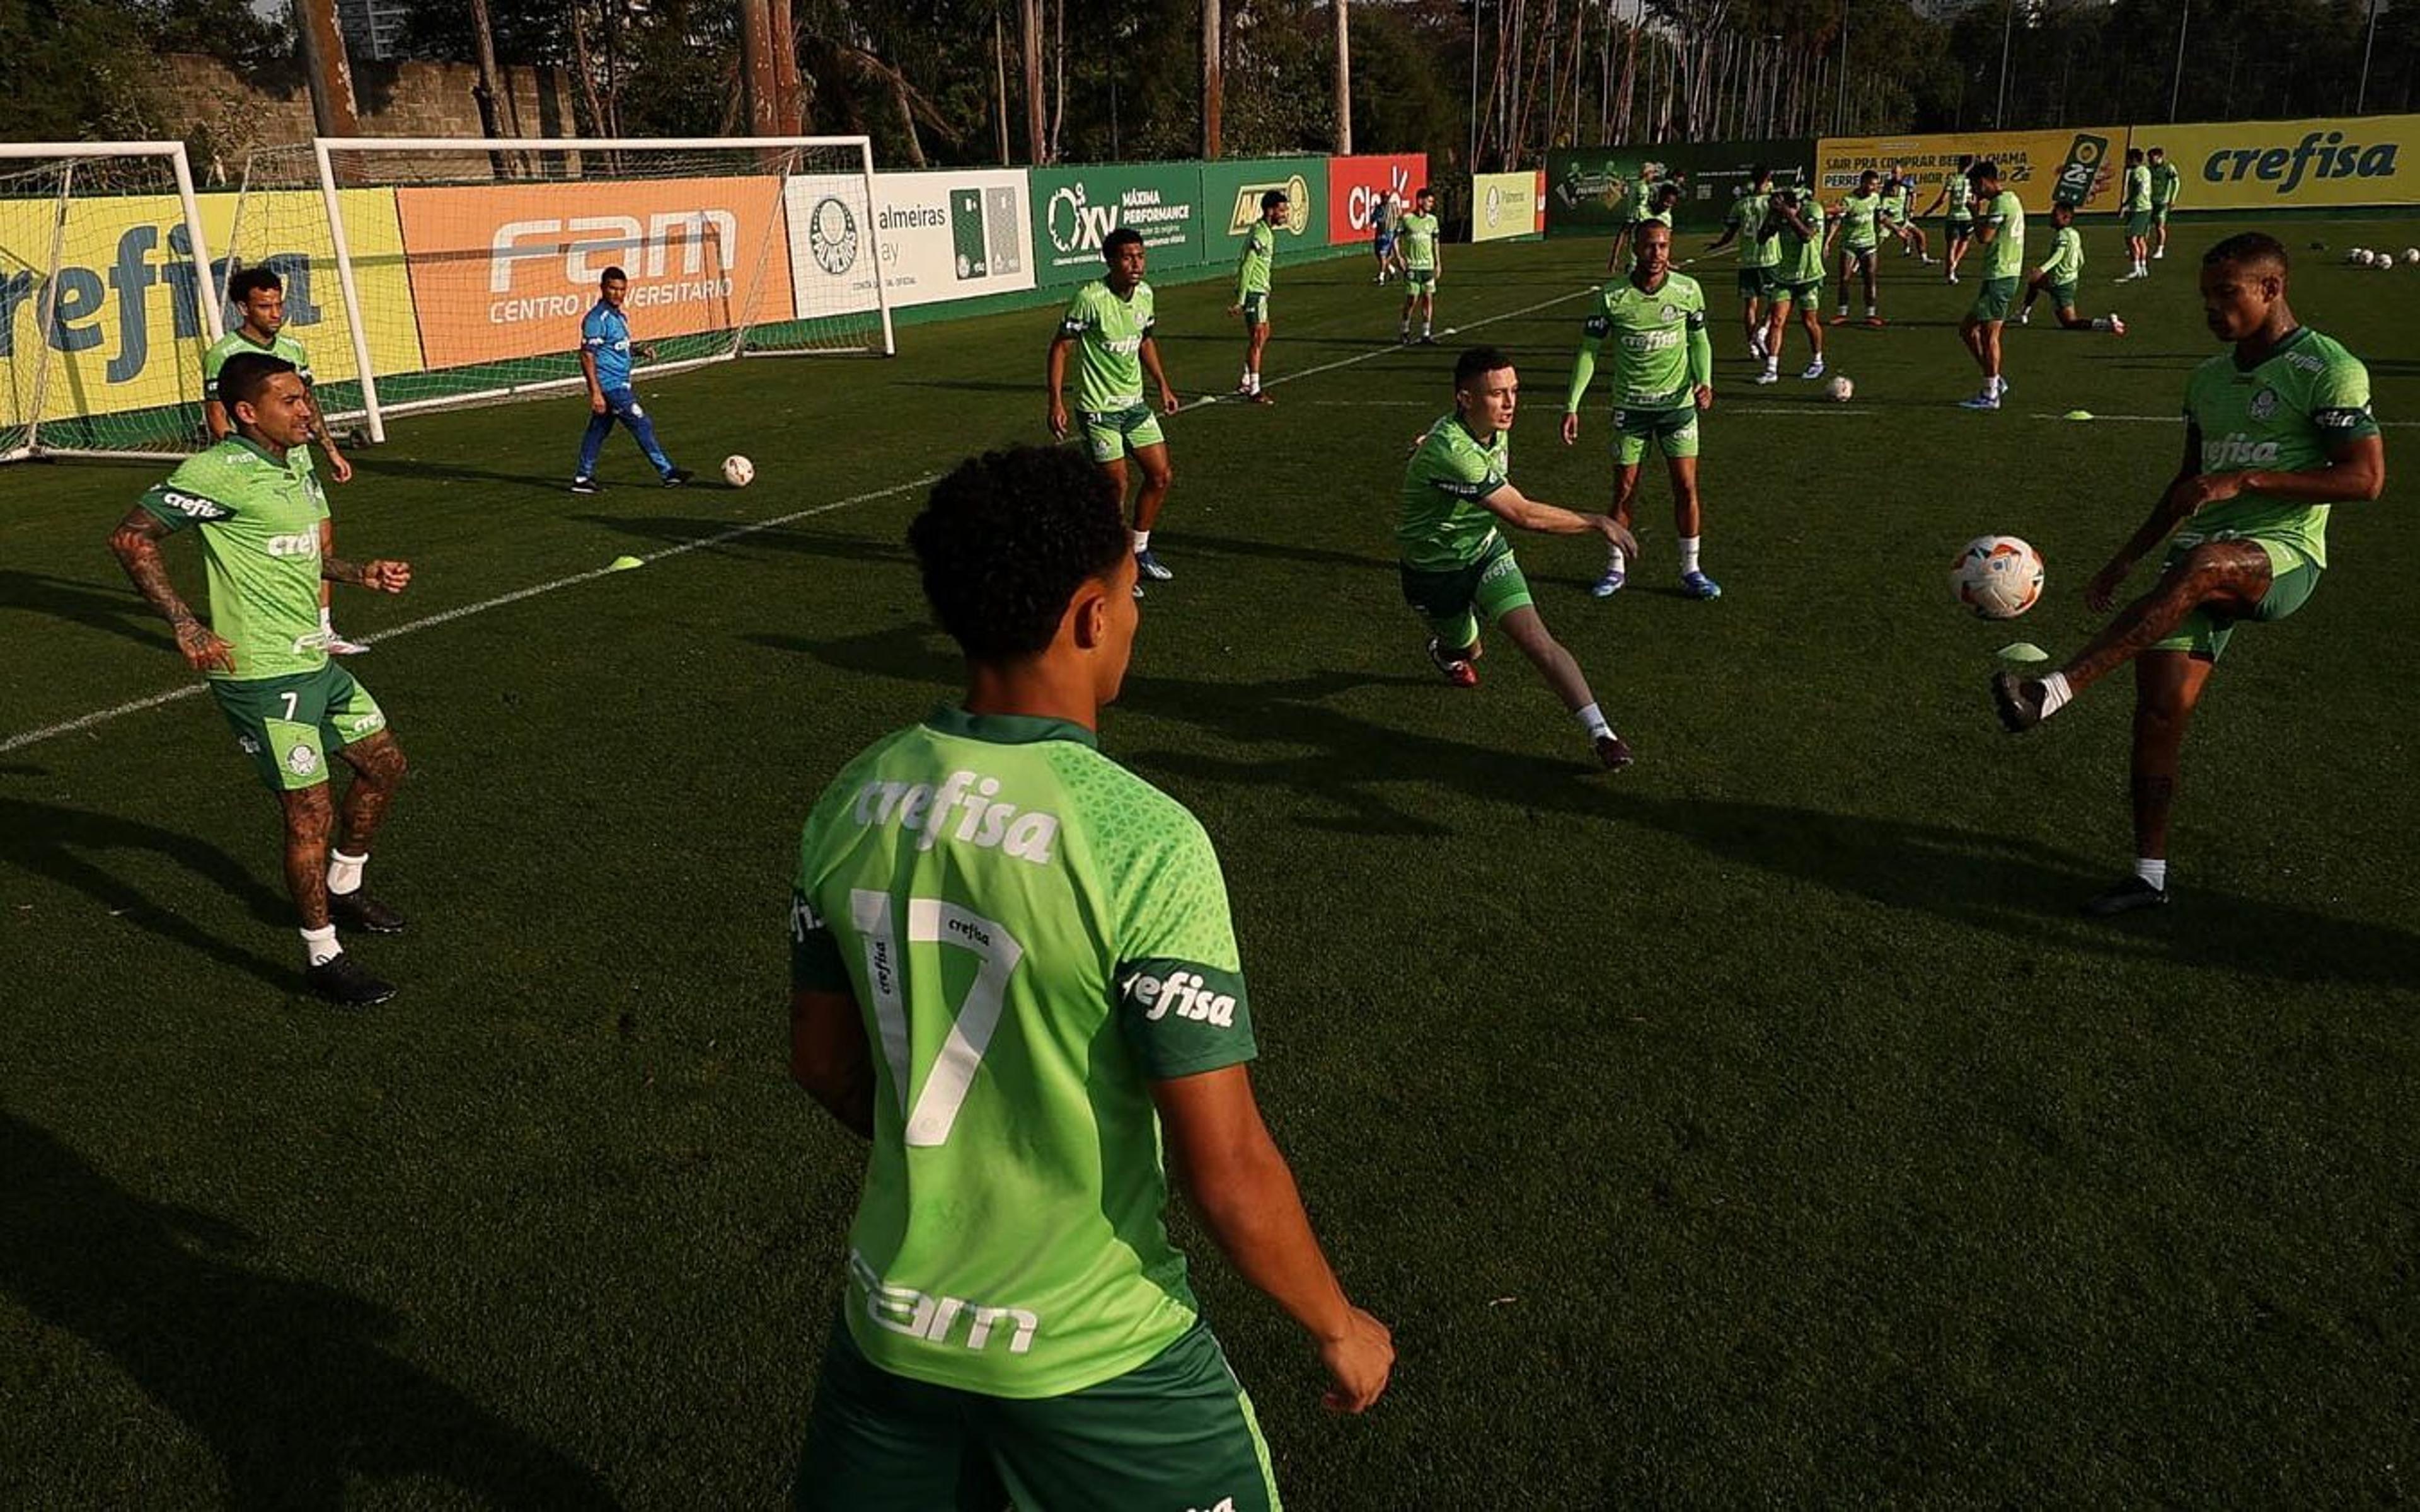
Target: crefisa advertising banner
<point>2075,165</point>
<point>2264,166</point>
<point>1507,205</point>
<point>1356,184</point>
<point>952,234</point>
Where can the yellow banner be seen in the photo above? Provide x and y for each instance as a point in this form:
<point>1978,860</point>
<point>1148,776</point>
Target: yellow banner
<point>2258,165</point>
<point>1504,205</point>
<point>2031,162</point>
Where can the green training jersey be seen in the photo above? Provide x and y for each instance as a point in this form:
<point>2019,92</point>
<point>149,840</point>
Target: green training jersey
<point>1442,524</point>
<point>1958,206</point>
<point>259,519</point>
<point>2006,216</point>
<point>2165,182</point>
<point>1032,935</point>
<point>1260,256</point>
<point>1415,240</point>
<point>279,346</point>
<point>2286,416</point>
<point>1858,213</point>
<point>1108,334</point>
<point>1651,334</point>
<point>2066,262</point>
<point>1895,200</point>
<point>2137,193</point>
<point>1748,216</point>
<point>1802,258</point>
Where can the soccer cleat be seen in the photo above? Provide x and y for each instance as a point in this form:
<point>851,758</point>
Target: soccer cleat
<point>677,477</point>
<point>1931,261</point>
<point>342,980</point>
<point>2157,256</point>
<point>1458,672</point>
<point>1697,585</point>
<point>1403,337</point>
<point>2026,317</point>
<point>1953,277</point>
<point>2116,324</point>
<point>1611,584</point>
<point>1756,348</point>
<point>2018,701</point>
<point>337,645</point>
<point>1138,590</point>
<point>1874,321</point>
<point>1814,370</point>
<point>1427,340</point>
<point>1981,401</point>
<point>1611,752</point>
<point>1260,397</point>
<point>1768,376</point>
<point>358,910</point>
<point>1148,566</point>
<point>587,485</point>
<point>2124,898</point>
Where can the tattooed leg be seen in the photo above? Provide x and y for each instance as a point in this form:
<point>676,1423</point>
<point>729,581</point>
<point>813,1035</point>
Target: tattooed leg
<point>310,818</point>
<point>2167,686</point>
<point>2231,577</point>
<point>379,767</point>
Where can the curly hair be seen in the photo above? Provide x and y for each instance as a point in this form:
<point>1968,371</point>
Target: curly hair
<point>1005,540</point>
<point>244,285</point>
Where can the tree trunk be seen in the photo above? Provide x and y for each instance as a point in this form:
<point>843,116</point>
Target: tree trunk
<point>1000,80</point>
<point>1031,15</point>
<point>1343,76</point>
<point>756,79</point>
<point>789,89</point>
<point>1058,85</point>
<point>334,112</point>
<point>484,92</point>
<point>1213,76</point>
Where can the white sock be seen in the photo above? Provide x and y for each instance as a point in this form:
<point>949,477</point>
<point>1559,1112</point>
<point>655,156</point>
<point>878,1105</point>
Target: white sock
<point>2055,694</point>
<point>1844,312</point>
<point>319,945</point>
<point>1425,328</point>
<point>1689,554</point>
<point>1871,311</point>
<point>1995,385</point>
<point>1142,541</point>
<point>1771,362</point>
<point>344,872</point>
<point>1253,381</point>
<point>1614,561</point>
<point>1592,721</point>
<point>2154,872</point>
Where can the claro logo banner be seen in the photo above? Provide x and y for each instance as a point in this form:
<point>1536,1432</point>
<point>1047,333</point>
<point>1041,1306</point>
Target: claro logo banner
<point>1356,184</point>
<point>2261,165</point>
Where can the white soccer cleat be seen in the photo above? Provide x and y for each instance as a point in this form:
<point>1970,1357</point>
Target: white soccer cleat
<point>1814,371</point>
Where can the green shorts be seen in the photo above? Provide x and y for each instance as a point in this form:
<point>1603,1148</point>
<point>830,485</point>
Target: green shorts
<point>1860,255</point>
<point>1421,280</point>
<point>1958,230</point>
<point>287,725</point>
<point>1672,431</point>
<point>2292,578</point>
<point>1176,1431</point>
<point>1994,299</point>
<point>2159,215</point>
<point>2062,296</point>
<point>1109,435</point>
<point>1806,296</point>
<point>1452,598</point>
<point>1755,282</point>
<point>1256,308</point>
<point>2138,223</point>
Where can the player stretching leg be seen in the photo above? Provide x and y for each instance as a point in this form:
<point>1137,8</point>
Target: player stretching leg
<point>259,516</point>
<point>2000,230</point>
<point>1859,241</point>
<point>1749,222</point>
<point>1418,244</point>
<point>1252,291</point>
<point>1801,281</point>
<point>261,296</point>
<point>2060,274</point>
<point>1662,377</point>
<point>605,354</point>
<point>1013,973</point>
<point>1110,323</point>
<point>2277,430</point>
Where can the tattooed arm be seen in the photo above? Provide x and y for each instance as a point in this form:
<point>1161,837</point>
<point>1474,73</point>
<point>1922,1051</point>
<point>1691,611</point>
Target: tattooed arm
<point>381,576</point>
<point>137,542</point>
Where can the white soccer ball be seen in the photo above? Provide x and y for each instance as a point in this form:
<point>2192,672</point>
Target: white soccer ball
<point>738,471</point>
<point>2411,254</point>
<point>2386,261</point>
<point>1998,577</point>
<point>1839,390</point>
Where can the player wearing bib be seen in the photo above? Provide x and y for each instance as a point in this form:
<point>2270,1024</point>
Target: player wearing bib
<point>1014,972</point>
<point>1109,323</point>
<point>2135,209</point>
<point>1858,236</point>
<point>1758,252</point>
<point>605,356</point>
<point>1417,242</point>
<point>1658,204</point>
<point>2058,273</point>
<point>259,518</point>
<point>1799,285</point>
<point>260,294</point>
<point>2166,185</point>
<point>2278,431</point>
<point>2000,231</point>
<point>1663,375</point>
<point>1252,290</point>
<point>1958,215</point>
<point>1456,565</point>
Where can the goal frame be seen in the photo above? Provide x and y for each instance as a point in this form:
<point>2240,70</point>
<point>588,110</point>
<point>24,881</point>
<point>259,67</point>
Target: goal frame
<point>324,148</point>
<point>204,287</point>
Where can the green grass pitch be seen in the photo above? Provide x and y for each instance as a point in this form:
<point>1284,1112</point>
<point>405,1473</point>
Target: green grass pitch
<point>1759,1124</point>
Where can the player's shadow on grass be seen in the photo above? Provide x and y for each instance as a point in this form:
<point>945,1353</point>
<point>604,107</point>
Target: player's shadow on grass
<point>290,1382</point>
<point>421,470</point>
<point>116,611</point>
<point>674,529</point>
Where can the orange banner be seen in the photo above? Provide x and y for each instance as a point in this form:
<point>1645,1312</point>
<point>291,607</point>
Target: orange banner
<point>504,271</point>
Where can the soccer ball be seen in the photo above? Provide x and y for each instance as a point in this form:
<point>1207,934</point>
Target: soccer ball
<point>1839,389</point>
<point>2358,256</point>
<point>2411,254</point>
<point>2386,260</point>
<point>738,471</point>
<point>1998,577</point>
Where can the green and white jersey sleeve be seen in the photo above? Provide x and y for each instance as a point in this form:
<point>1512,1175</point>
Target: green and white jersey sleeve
<point>2286,416</point>
<point>2139,188</point>
<point>259,519</point>
<point>1416,239</point>
<point>1750,216</point>
<point>2165,182</point>
<point>1260,257</point>
<point>1442,524</point>
<point>1803,259</point>
<point>2006,215</point>
<point>1032,935</point>
<point>1650,333</point>
<point>1108,334</point>
<point>2066,262</point>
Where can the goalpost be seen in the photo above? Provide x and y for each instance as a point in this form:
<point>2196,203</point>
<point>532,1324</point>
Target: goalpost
<point>446,271</point>
<point>104,310</point>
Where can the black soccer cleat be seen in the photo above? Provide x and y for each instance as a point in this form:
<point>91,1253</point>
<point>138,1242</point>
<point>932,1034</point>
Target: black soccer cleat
<point>1613,751</point>
<point>2125,898</point>
<point>358,910</point>
<point>342,980</point>
<point>677,477</point>
<point>2019,701</point>
<point>587,485</point>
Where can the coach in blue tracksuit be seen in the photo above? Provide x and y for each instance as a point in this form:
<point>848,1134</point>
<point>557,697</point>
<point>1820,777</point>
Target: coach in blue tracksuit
<point>605,354</point>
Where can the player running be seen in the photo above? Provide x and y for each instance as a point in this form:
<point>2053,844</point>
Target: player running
<point>260,514</point>
<point>2135,207</point>
<point>1456,565</point>
<point>1958,215</point>
<point>1013,971</point>
<point>2060,274</point>
<point>1799,285</point>
<point>1759,251</point>
<point>1421,250</point>
<point>1252,291</point>
<point>1658,204</point>
<point>2278,429</point>
<point>2166,183</point>
<point>1859,240</point>
<point>605,354</point>
<point>260,294</point>
<point>2000,228</point>
<point>1109,324</point>
<point>1662,377</point>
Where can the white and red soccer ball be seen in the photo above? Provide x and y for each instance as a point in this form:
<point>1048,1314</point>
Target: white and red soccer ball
<point>1998,577</point>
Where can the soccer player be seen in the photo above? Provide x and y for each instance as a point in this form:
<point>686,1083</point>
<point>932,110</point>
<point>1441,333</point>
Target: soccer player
<point>1899,214</point>
<point>1420,247</point>
<point>2058,276</point>
<point>1013,973</point>
<point>1383,211</point>
<point>1858,240</point>
<point>1456,565</point>
<point>2134,205</point>
<point>1663,378</point>
<point>1759,251</point>
<point>605,354</point>
<point>260,294</point>
<point>1109,324</point>
<point>2165,184</point>
<point>1958,215</point>
<point>2000,229</point>
<point>1799,285</point>
<point>1657,204</point>
<point>2278,429</point>
<point>1252,290</point>
<point>260,515</point>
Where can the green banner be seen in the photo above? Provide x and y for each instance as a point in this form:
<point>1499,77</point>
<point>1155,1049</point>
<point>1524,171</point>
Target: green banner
<point>1595,190</point>
<point>1230,202</point>
<point>1076,209</point>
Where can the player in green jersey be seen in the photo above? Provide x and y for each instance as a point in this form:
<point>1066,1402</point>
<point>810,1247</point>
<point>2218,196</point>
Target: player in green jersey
<point>1014,972</point>
<point>1759,251</point>
<point>1658,202</point>
<point>1798,281</point>
<point>260,294</point>
<point>1958,215</point>
<point>1663,378</point>
<point>2135,208</point>
<point>1252,290</point>
<point>2166,185</point>
<point>1456,565</point>
<point>259,516</point>
<point>1419,246</point>
<point>2058,274</point>
<point>2000,231</point>
<point>1858,237</point>
<point>1109,323</point>
<point>2278,431</point>
<point>1899,214</point>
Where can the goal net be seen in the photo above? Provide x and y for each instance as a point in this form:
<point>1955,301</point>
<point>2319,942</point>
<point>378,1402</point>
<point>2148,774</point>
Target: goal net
<point>442,271</point>
<point>105,311</point>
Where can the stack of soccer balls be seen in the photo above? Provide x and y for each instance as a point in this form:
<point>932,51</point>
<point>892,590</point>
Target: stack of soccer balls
<point>1998,577</point>
<point>2365,257</point>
